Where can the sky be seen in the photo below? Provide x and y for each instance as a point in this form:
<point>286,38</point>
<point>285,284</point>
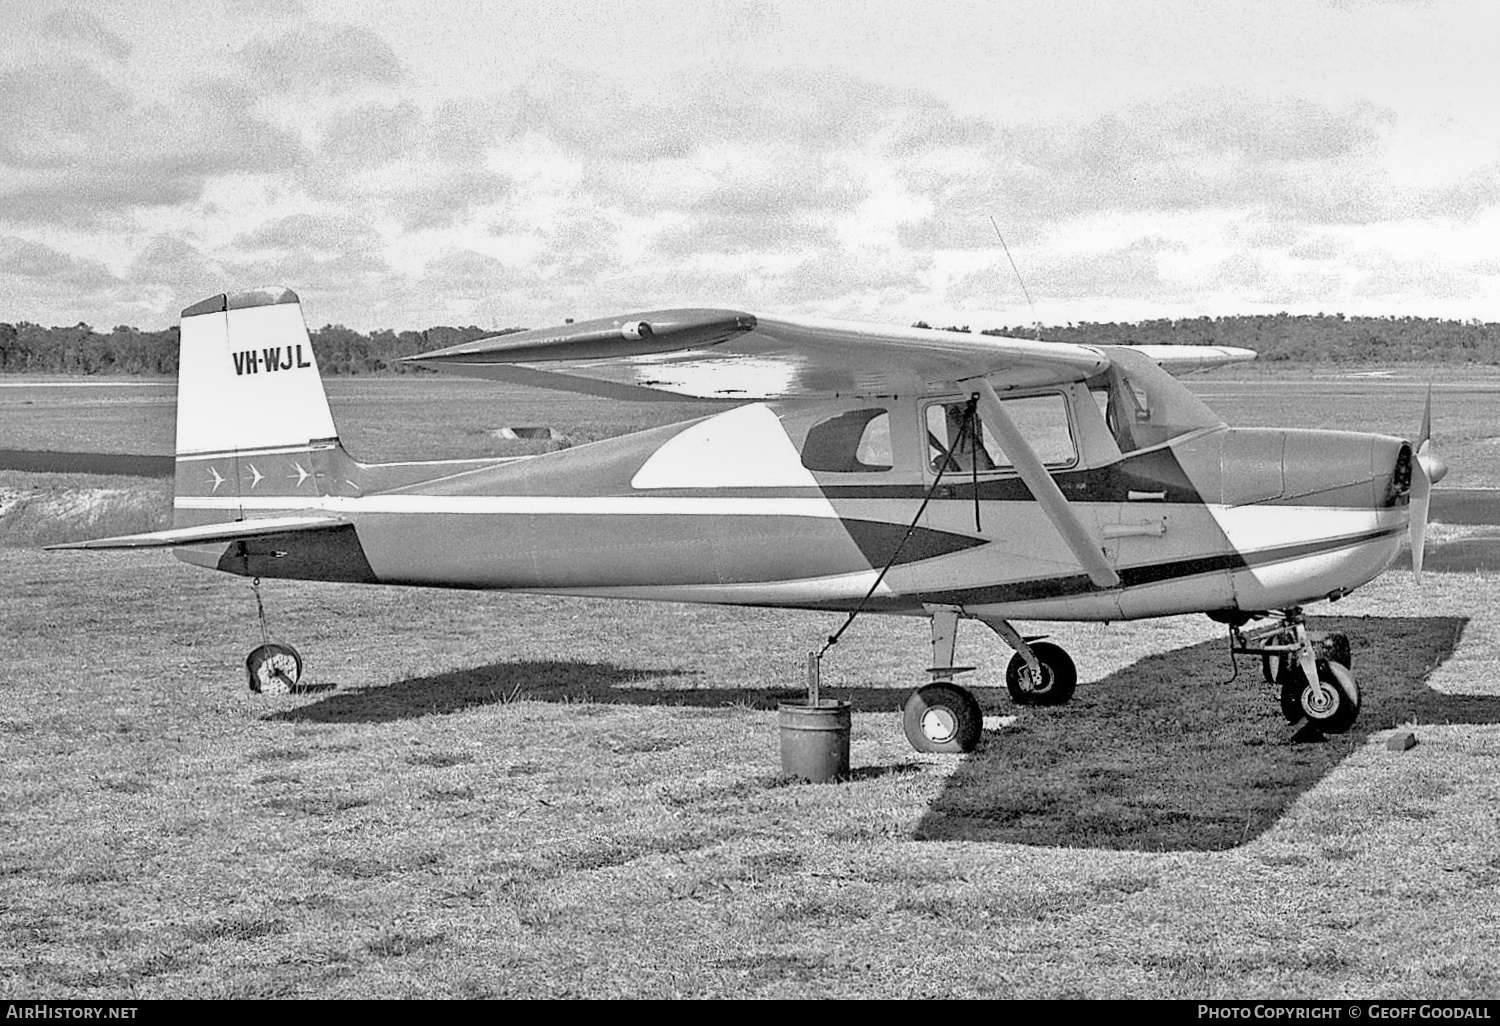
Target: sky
<point>403,163</point>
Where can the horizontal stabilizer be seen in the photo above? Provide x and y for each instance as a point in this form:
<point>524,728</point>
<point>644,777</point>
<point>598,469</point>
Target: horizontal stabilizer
<point>207,534</point>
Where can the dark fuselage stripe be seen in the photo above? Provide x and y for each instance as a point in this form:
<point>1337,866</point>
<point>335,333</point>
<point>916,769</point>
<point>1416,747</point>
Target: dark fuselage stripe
<point>1131,577</point>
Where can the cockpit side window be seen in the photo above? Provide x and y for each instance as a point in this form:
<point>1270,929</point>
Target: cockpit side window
<point>854,442</point>
<point>1041,419</point>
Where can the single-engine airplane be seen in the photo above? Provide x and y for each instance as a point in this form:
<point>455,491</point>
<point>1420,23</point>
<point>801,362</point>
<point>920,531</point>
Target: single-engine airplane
<point>900,470</point>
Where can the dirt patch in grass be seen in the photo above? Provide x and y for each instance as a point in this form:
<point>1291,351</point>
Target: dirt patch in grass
<point>49,509</point>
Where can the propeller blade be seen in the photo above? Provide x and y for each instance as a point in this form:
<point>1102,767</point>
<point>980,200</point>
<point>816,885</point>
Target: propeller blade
<point>1426,434</point>
<point>1416,525</point>
<point>1434,464</point>
<point>1427,469</point>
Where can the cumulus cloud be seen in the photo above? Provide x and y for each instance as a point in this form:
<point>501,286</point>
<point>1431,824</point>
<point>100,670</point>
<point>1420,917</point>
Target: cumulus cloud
<point>1283,158</point>
<point>345,284</point>
<point>68,288</point>
<point>77,28</point>
<point>464,129</point>
<point>468,274</point>
<point>171,272</point>
<point>81,148</point>
<point>321,57</point>
<point>769,207</point>
<point>854,282</point>
<point>596,116</point>
<point>1060,278</point>
<point>584,247</point>
<point>314,233</point>
<point>50,113</point>
<point>319,254</point>
<point>371,134</point>
<point>25,258</point>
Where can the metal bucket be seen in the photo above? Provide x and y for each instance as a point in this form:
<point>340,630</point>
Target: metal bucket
<point>814,740</point>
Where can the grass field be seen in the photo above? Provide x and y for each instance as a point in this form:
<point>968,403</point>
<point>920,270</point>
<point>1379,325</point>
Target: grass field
<point>528,796</point>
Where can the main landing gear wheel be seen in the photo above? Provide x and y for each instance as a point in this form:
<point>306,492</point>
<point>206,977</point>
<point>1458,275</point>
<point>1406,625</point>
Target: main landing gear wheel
<point>1332,709</point>
<point>942,717</point>
<point>1059,676</point>
<point>274,669</point>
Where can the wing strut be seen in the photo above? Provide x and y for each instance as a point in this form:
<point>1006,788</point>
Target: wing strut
<point>1069,524</point>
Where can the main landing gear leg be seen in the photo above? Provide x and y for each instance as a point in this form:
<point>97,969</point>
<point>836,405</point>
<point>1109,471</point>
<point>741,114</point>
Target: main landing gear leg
<point>943,716</point>
<point>1040,673</point>
<point>1312,673</point>
<point>273,669</point>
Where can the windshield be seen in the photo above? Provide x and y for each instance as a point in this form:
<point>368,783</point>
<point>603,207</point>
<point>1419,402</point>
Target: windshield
<point>1143,404</point>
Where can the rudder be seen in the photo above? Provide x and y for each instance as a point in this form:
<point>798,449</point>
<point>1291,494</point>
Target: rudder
<point>253,422</point>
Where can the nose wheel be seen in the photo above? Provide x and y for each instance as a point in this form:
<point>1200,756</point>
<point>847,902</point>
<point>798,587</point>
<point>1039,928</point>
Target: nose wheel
<point>1311,672</point>
<point>1332,705</point>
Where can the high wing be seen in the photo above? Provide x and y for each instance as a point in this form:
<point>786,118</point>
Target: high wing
<point>726,354</point>
<point>1187,359</point>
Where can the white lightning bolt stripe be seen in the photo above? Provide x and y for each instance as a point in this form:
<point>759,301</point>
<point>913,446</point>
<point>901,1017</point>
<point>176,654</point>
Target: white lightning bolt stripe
<point>528,504</point>
<point>1256,527</point>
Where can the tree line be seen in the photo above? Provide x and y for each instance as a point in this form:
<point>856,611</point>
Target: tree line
<point>1309,338</point>
<point>1319,338</point>
<point>31,348</point>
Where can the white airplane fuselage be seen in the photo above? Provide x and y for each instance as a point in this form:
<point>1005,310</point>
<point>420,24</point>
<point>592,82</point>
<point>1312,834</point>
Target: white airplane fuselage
<point>767,505</point>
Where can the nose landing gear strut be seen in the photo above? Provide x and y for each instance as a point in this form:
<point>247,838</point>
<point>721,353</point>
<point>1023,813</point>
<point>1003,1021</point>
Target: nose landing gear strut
<point>1311,670</point>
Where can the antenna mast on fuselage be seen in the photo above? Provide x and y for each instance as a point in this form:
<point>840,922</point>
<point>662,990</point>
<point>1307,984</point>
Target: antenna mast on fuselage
<point>1035,320</point>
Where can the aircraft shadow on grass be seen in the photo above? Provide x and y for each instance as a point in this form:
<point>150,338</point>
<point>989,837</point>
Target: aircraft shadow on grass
<point>1164,755</point>
<point>1160,755</point>
<point>568,682</point>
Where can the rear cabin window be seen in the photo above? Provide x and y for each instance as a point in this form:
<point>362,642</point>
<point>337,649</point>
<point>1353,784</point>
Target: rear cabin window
<point>856,442</point>
<point>1041,419</point>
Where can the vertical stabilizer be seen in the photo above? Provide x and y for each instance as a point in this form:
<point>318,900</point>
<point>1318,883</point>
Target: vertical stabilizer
<point>253,423</point>
<point>247,377</point>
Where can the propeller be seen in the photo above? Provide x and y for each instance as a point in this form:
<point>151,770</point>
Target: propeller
<point>1428,468</point>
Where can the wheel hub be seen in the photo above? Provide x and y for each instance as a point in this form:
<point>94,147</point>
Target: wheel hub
<point>939,725</point>
<point>1319,700</point>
